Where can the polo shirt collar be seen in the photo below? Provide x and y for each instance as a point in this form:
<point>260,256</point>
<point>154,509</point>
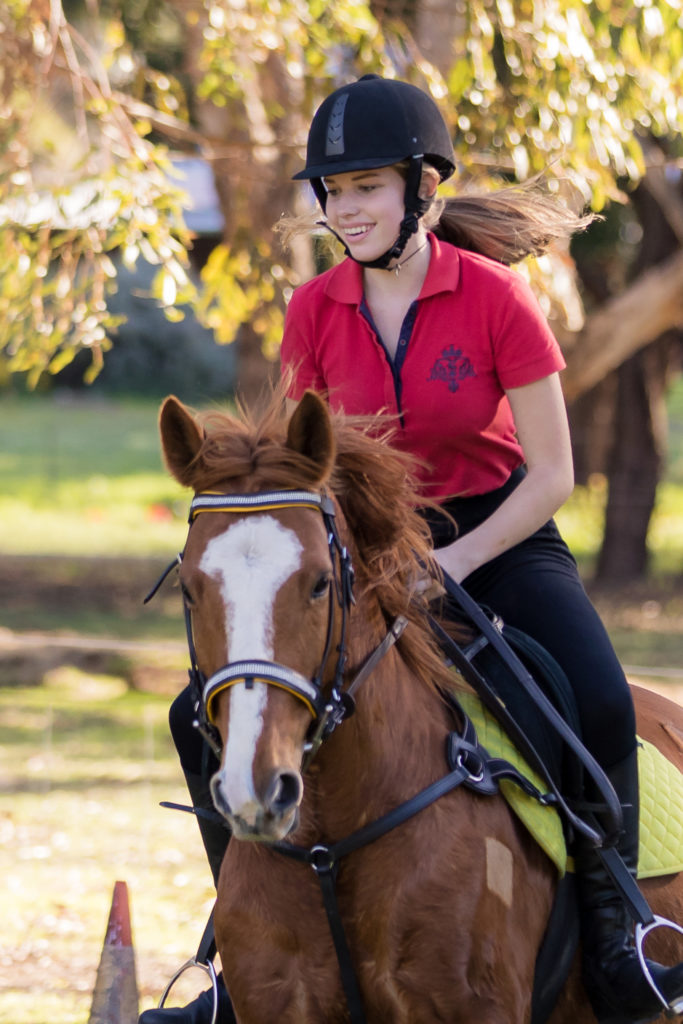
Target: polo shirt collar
<point>345,282</point>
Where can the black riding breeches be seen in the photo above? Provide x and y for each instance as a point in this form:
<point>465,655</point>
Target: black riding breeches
<point>535,587</point>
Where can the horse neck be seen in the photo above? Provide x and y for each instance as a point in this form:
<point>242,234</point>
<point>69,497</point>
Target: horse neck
<point>384,753</point>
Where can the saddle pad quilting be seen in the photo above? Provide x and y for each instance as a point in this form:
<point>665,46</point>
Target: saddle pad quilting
<point>661,800</point>
<point>661,813</point>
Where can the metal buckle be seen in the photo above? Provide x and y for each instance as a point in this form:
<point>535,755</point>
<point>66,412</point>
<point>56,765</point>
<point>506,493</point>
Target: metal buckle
<point>209,969</point>
<point>461,760</point>
<point>641,933</point>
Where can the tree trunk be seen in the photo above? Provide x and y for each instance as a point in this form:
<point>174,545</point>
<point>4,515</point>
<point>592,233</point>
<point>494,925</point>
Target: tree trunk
<point>633,471</point>
<point>640,429</point>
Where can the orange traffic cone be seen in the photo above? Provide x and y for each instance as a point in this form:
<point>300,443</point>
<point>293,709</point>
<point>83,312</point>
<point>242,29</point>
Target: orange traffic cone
<point>115,997</point>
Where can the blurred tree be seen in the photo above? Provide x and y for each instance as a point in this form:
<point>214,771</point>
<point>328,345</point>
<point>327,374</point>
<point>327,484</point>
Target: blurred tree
<point>588,92</point>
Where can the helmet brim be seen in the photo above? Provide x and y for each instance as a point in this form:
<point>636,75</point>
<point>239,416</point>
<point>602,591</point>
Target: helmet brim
<point>328,169</point>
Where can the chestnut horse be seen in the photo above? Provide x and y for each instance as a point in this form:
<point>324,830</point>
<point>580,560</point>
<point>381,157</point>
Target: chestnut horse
<point>442,915</point>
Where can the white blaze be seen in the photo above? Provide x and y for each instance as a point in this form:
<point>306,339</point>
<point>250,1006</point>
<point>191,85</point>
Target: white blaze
<point>251,560</point>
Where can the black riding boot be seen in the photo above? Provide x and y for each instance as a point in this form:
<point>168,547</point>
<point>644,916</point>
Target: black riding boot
<point>614,980</point>
<point>215,837</point>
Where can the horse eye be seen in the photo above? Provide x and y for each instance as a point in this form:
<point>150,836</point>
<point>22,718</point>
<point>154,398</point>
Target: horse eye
<point>187,596</point>
<point>322,585</point>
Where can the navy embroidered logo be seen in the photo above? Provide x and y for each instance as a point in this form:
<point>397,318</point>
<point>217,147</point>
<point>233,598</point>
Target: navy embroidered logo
<point>452,367</point>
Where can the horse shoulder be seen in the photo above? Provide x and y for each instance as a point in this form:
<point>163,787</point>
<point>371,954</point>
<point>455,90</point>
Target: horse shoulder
<point>660,722</point>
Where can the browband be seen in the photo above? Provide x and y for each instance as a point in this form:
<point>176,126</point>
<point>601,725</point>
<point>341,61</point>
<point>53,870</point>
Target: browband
<point>210,501</point>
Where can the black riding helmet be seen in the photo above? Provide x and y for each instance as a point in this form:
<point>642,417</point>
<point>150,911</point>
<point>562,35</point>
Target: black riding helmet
<point>378,122</point>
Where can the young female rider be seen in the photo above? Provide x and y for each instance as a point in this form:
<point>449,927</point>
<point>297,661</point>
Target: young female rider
<point>453,343</point>
<point>420,324</point>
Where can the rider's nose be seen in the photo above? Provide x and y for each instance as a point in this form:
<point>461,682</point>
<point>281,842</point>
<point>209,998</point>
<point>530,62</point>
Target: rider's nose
<point>347,205</point>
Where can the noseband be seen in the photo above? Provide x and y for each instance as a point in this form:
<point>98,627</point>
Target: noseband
<point>327,709</point>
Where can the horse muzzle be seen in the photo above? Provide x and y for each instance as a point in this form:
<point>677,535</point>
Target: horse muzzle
<point>267,818</point>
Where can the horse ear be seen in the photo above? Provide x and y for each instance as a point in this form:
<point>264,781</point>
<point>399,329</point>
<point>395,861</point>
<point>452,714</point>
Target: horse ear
<point>310,433</point>
<point>181,439</point>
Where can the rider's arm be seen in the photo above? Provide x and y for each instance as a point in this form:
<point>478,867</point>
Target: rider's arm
<point>543,433</point>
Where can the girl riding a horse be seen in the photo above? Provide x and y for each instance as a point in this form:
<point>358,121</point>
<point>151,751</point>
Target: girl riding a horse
<point>425,320</point>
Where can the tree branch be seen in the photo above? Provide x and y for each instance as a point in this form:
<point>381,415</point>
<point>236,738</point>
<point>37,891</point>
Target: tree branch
<point>625,324</point>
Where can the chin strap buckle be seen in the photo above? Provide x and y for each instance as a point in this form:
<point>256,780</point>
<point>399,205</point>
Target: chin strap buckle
<point>642,931</point>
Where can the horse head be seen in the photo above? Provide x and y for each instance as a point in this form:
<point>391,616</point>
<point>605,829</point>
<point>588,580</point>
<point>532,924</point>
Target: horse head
<point>257,581</point>
<point>267,582</point>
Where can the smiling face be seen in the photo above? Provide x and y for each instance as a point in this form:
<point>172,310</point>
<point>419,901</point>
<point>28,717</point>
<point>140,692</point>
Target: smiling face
<point>366,208</point>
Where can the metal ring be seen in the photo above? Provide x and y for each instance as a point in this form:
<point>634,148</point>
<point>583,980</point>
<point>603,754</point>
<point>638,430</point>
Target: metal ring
<point>209,969</point>
<point>461,762</point>
<point>321,859</point>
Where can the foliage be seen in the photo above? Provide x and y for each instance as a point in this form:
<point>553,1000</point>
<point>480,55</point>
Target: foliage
<point>72,190</point>
<point>567,80</point>
<point>573,84</point>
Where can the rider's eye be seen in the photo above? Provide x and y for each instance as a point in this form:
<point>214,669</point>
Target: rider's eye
<point>321,587</point>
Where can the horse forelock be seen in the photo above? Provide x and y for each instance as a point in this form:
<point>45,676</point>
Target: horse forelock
<point>375,490</point>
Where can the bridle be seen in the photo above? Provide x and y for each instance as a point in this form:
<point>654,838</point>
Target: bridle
<point>328,704</point>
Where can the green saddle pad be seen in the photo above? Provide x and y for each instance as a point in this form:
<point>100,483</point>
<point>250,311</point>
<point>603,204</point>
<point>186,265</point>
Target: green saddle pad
<point>661,800</point>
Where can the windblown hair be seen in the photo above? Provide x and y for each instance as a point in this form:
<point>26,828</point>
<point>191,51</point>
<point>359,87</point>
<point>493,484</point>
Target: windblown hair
<point>376,495</point>
<point>507,225</point>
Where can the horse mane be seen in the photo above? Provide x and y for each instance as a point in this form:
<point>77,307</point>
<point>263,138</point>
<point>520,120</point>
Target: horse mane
<point>375,488</point>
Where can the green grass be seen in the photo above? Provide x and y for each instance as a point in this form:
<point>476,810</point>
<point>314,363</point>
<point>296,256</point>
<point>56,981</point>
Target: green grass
<point>85,477</point>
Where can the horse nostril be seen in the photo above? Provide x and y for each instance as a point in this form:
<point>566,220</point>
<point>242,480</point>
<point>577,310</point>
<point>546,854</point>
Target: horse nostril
<point>286,792</point>
<point>218,797</point>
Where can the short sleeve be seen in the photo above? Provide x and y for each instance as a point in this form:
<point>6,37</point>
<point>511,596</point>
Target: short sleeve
<point>298,361</point>
<point>525,348</point>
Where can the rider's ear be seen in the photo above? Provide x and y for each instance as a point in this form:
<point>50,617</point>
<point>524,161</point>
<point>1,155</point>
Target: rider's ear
<point>181,439</point>
<point>310,433</point>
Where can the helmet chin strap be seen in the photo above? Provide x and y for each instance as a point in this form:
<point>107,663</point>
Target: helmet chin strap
<point>415,207</point>
<point>409,226</point>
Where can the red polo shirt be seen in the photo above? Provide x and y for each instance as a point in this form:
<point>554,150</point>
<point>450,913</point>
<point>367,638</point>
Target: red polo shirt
<point>475,330</point>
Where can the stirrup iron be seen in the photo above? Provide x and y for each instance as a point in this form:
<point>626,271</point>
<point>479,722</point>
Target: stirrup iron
<point>209,969</point>
<point>641,933</point>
